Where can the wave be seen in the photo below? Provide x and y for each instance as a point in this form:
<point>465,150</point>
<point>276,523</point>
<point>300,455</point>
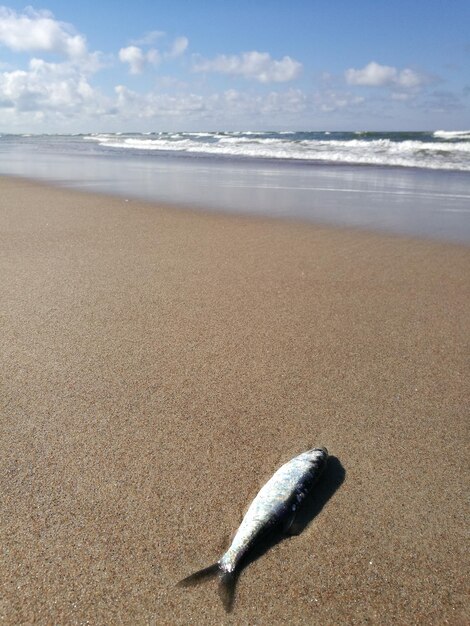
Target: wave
<point>438,150</point>
<point>452,134</point>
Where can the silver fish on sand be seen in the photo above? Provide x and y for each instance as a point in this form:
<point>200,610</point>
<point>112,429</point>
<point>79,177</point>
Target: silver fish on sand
<point>274,508</point>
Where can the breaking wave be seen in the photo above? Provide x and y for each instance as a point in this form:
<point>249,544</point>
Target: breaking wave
<point>435,150</point>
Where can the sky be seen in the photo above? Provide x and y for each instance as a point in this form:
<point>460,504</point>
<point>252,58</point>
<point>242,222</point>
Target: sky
<point>189,65</point>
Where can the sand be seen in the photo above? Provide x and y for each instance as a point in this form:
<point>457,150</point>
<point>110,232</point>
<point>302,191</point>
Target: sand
<point>158,365</point>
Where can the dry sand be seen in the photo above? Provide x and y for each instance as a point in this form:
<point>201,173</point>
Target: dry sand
<point>158,365</point>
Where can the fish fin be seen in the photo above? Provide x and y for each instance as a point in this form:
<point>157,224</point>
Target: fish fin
<point>288,522</point>
<point>295,528</point>
<point>227,584</point>
<point>200,575</point>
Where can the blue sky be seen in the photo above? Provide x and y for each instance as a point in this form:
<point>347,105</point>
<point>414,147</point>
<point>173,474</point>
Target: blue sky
<point>188,65</point>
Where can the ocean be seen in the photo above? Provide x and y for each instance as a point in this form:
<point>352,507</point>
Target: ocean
<point>415,183</point>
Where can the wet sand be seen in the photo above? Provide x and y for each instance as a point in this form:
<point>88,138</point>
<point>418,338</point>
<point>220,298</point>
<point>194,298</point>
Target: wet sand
<point>157,367</point>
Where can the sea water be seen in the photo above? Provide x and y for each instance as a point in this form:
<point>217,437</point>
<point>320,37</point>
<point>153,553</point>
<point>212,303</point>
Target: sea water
<point>414,183</point>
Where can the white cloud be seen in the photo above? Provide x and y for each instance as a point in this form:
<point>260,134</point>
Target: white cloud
<point>409,78</point>
<point>400,96</point>
<point>153,56</point>
<point>138,59</point>
<point>38,31</point>
<point>134,56</point>
<point>329,101</point>
<point>230,105</point>
<point>57,88</point>
<point>372,74</point>
<point>133,105</point>
<point>178,47</point>
<point>149,38</point>
<point>255,65</point>
<point>47,90</point>
<point>376,75</point>
<point>291,101</point>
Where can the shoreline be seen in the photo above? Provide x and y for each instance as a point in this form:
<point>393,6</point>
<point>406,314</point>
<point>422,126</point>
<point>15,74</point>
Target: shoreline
<point>208,212</point>
<point>160,364</point>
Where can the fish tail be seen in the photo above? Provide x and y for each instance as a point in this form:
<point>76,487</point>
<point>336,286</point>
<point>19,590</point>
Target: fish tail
<point>200,575</point>
<point>227,582</point>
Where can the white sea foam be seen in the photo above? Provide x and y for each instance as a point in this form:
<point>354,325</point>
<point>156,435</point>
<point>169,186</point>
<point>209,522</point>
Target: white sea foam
<point>452,134</point>
<point>429,153</point>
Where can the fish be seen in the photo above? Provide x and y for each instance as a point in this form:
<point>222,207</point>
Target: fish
<point>274,509</point>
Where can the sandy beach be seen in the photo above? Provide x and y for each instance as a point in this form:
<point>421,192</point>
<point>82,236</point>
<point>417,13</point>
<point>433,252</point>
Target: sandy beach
<point>158,365</point>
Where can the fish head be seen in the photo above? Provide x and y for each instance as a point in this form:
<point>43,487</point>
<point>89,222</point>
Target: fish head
<point>317,456</point>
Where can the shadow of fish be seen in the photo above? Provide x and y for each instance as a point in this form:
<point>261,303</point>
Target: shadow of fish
<point>273,509</point>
